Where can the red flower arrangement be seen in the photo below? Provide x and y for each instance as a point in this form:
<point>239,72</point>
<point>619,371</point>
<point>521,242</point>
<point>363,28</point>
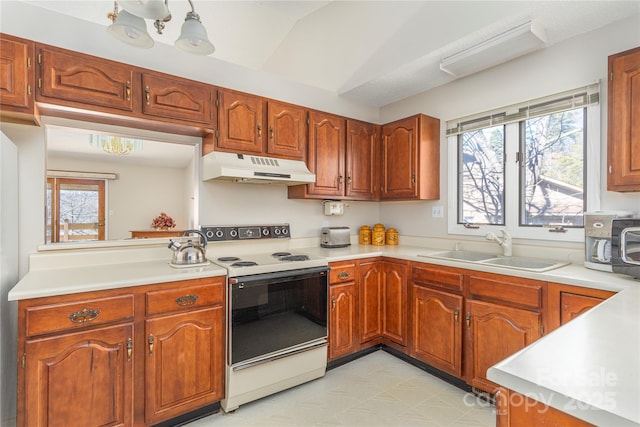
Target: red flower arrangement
<point>163,222</point>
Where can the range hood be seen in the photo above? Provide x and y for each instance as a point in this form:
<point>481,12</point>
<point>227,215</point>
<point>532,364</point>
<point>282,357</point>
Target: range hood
<point>248,168</point>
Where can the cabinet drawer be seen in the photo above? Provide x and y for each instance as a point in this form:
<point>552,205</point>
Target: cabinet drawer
<point>437,277</point>
<point>73,315</point>
<point>184,298</point>
<point>342,272</point>
<point>512,291</point>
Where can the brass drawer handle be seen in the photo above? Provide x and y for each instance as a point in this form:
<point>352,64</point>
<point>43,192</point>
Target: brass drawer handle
<point>343,275</point>
<point>83,316</point>
<point>128,90</point>
<point>187,300</point>
<point>147,95</point>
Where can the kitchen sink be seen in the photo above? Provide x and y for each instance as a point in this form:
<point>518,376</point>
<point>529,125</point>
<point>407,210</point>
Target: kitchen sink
<point>524,263</point>
<point>462,255</point>
<point>512,262</point>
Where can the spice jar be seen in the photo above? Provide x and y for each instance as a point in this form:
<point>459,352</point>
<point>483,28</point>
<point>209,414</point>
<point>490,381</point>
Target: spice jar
<point>365,235</point>
<point>392,236</point>
<point>377,236</point>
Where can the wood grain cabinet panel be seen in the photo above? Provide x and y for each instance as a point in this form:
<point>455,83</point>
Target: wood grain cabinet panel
<point>287,130</point>
<point>326,154</point>
<point>16,78</point>
<point>394,325</point>
<point>623,145</point>
<point>370,300</point>
<point>241,122</point>
<point>343,331</point>
<point>361,163</point>
<point>184,363</point>
<point>495,332</point>
<point>82,378</point>
<point>411,159</point>
<point>74,79</point>
<point>173,98</point>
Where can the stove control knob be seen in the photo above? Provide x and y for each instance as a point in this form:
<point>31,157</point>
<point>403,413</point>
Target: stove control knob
<point>277,231</point>
<point>265,231</point>
<point>233,233</point>
<point>285,230</point>
<point>219,233</point>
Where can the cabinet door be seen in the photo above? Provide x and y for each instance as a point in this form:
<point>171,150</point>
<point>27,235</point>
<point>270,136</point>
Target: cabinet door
<point>370,304</point>
<point>240,122</point>
<point>400,160</point>
<point>361,161</point>
<point>326,154</point>
<point>16,74</point>
<point>174,98</point>
<point>83,378</point>
<point>84,79</point>
<point>395,302</point>
<point>573,305</point>
<point>184,368</point>
<point>624,122</point>
<point>437,329</point>
<point>287,130</point>
<point>343,339</point>
<point>495,332</point>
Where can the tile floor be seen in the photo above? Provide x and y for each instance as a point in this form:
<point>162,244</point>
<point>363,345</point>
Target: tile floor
<point>375,390</point>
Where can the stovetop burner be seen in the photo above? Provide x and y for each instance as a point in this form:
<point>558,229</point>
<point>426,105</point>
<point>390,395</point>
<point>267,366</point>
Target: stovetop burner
<point>228,258</point>
<point>244,264</point>
<point>295,258</point>
<point>280,254</point>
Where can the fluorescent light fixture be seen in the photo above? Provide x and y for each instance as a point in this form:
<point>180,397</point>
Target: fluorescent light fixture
<point>501,48</point>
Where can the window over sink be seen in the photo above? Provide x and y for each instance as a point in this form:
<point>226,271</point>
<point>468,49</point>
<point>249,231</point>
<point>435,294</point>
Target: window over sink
<point>524,167</point>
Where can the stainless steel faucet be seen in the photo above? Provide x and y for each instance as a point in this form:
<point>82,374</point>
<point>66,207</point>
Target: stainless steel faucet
<point>505,242</point>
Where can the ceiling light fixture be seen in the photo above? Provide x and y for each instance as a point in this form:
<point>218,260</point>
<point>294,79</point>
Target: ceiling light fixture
<point>115,145</point>
<point>129,25</point>
<point>510,44</point>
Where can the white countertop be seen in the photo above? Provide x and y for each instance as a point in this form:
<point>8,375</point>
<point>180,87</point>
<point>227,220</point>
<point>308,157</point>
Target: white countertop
<point>589,368</point>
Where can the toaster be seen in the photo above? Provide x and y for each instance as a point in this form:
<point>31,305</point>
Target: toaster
<point>335,237</point>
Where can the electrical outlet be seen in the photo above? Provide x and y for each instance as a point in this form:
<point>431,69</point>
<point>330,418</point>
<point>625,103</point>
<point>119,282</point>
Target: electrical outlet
<point>437,211</point>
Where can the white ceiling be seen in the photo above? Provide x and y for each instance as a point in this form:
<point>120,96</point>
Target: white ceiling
<point>374,52</point>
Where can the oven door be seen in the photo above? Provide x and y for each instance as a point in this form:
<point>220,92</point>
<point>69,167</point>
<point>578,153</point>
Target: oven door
<point>275,314</point>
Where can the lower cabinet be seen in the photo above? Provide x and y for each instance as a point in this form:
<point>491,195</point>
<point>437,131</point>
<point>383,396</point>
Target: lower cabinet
<point>343,306</point>
<point>394,317</point>
<point>130,356</point>
<point>79,378</point>
<point>370,301</point>
<point>566,302</point>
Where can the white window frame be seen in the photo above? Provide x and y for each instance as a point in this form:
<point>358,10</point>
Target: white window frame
<point>512,185</point>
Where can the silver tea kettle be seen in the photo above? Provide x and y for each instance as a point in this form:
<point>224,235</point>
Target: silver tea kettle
<point>189,252</point>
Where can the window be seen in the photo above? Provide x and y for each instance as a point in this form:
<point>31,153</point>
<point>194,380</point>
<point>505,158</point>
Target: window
<point>523,167</point>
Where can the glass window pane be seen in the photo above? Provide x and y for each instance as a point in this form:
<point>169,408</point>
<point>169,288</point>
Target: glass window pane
<point>79,210</point>
<point>481,176</point>
<point>552,170</point>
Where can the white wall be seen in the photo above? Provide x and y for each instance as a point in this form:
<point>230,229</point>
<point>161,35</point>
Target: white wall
<point>571,64</point>
<point>139,194</point>
<point>8,275</point>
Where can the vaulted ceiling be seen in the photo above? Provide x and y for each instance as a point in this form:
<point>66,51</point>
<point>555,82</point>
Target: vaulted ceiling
<point>374,52</point>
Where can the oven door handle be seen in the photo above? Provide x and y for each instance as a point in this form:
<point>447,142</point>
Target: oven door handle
<point>282,355</point>
<point>279,276</point>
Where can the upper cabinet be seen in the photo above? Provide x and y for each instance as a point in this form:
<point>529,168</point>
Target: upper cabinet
<point>242,128</point>
<point>240,122</point>
<point>76,85</point>
<point>173,98</point>
<point>624,122</point>
<point>325,157</point>
<point>76,80</point>
<point>287,136</point>
<point>343,153</point>
<point>16,79</point>
<point>411,159</point>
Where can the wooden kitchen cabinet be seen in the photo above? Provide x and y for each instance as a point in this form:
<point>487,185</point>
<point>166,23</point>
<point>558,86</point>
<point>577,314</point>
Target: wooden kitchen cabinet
<point>343,153</point>
<point>436,317</point>
<point>410,167</point>
<point>85,358</point>
<point>287,130</point>
<point>394,315</point>
<point>17,59</point>
<point>371,301</point>
<point>173,98</point>
<point>72,79</point>
<point>240,122</point>
<point>502,316</point>
<point>343,309</point>
<point>623,145</point>
<point>566,302</point>
<point>325,157</point>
